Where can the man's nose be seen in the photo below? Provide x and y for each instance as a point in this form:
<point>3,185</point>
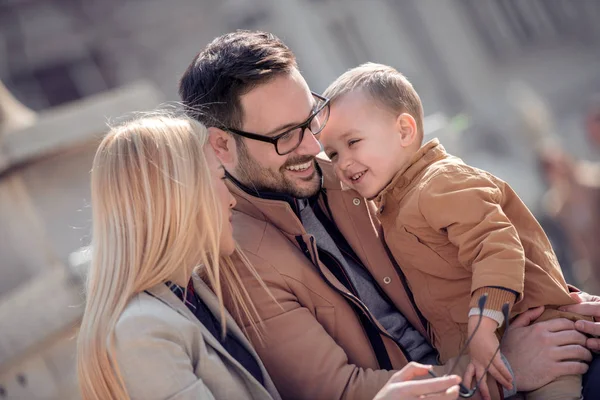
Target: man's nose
<point>309,145</point>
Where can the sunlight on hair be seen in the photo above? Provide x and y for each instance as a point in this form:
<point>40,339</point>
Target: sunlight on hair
<point>155,217</point>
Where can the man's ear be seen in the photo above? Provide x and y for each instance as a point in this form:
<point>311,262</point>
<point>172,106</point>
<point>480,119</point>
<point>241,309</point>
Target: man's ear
<point>407,128</point>
<point>223,144</point>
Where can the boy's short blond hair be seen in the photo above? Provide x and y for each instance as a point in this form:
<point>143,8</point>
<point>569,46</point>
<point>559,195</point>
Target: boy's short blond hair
<point>385,85</point>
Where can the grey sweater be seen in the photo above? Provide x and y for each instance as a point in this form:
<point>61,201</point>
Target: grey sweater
<point>389,317</point>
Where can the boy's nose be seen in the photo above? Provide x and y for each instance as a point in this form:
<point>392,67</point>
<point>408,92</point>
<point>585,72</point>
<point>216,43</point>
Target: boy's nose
<point>345,162</point>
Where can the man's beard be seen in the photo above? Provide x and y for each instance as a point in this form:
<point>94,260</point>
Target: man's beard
<point>255,177</point>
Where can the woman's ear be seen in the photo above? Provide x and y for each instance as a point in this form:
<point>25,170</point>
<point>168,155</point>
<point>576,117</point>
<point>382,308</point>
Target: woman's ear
<point>224,145</point>
<point>407,127</point>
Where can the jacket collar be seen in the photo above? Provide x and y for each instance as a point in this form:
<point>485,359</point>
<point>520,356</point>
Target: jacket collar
<point>266,195</point>
<point>281,210</point>
<point>164,294</point>
<point>429,153</point>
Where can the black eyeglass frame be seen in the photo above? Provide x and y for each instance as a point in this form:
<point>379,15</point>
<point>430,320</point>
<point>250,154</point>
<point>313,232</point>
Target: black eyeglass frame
<point>465,392</point>
<point>303,126</point>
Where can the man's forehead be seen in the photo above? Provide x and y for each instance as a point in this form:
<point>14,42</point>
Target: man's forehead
<point>285,100</point>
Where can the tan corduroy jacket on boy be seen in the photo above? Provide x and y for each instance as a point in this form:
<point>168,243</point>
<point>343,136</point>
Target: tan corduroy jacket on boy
<point>458,232</point>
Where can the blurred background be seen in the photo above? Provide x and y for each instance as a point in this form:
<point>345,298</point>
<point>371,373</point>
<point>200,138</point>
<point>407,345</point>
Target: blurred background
<point>511,86</point>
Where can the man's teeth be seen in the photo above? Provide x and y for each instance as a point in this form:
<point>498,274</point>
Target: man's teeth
<point>356,176</point>
<point>299,167</point>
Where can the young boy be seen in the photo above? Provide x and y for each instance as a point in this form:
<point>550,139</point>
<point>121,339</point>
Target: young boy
<point>456,231</point>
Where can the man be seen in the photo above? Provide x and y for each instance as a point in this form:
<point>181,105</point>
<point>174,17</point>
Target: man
<point>343,320</point>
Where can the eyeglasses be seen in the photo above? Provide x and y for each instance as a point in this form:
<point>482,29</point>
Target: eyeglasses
<point>289,140</point>
<point>464,392</point>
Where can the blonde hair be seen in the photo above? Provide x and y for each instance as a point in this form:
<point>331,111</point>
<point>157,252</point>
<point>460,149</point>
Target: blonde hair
<point>155,215</point>
<point>383,84</point>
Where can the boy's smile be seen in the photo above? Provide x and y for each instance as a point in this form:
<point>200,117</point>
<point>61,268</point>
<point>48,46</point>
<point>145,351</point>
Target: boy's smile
<point>365,142</point>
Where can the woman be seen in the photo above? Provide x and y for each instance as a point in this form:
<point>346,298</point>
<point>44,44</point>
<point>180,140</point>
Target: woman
<point>155,326</point>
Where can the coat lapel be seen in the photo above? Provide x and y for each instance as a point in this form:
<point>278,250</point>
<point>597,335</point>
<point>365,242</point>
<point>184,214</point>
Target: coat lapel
<point>164,294</point>
<point>211,301</point>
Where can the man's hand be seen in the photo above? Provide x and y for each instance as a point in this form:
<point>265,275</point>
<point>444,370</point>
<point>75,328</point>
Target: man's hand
<point>590,307</point>
<point>482,349</point>
<point>540,353</point>
<point>402,386</point>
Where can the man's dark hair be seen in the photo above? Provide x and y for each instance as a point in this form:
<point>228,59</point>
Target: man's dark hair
<point>229,67</point>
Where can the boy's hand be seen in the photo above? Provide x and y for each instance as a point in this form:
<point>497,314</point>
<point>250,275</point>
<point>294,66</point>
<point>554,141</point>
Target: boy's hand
<point>482,349</point>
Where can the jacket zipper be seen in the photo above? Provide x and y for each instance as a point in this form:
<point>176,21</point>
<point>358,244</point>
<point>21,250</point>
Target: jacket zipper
<point>401,274</point>
<point>378,287</point>
<point>411,297</point>
<point>350,296</point>
<point>353,291</point>
<point>358,302</point>
<point>428,330</point>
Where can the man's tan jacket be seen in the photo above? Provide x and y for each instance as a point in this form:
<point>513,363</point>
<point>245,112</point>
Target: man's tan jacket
<point>313,344</point>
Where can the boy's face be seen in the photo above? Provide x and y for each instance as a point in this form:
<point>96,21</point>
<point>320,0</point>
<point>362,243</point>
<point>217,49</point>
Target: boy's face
<point>367,143</point>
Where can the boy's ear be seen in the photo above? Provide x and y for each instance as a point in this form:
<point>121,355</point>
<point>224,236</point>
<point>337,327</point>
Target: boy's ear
<point>407,128</point>
<point>223,144</point>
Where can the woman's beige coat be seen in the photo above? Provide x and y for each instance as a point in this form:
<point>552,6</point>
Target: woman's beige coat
<point>164,352</point>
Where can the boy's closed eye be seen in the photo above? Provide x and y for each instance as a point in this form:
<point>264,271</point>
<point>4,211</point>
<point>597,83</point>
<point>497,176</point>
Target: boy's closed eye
<point>334,154</point>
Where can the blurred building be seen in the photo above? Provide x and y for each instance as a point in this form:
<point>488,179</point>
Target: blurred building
<point>44,219</point>
<point>462,55</point>
<point>78,62</point>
